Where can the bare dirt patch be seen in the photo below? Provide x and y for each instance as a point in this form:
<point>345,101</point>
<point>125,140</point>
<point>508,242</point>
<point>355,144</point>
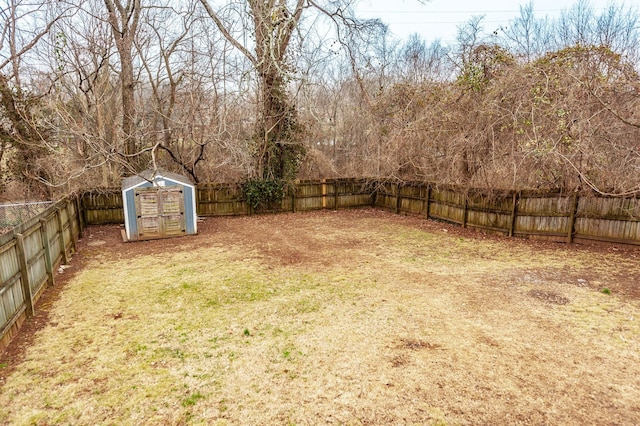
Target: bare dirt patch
<point>352,317</point>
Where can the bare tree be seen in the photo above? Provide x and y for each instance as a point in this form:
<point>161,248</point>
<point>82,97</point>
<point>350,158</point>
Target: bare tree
<point>24,26</point>
<point>576,25</point>
<point>527,36</point>
<point>124,20</point>
<point>268,35</point>
<point>617,28</point>
<point>272,26</point>
<point>187,112</point>
<point>422,62</point>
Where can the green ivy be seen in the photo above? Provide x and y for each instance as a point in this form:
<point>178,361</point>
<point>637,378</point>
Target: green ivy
<point>263,194</point>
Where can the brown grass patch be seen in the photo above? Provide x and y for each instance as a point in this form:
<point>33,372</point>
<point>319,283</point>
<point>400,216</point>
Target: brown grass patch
<point>357,317</point>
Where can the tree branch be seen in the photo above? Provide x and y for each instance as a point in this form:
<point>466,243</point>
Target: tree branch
<point>225,32</point>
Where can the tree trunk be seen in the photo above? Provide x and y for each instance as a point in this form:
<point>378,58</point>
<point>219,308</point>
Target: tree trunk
<point>124,23</point>
<point>278,151</point>
<point>128,102</point>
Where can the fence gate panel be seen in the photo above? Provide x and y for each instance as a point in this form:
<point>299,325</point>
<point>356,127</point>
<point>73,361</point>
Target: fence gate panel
<point>160,212</point>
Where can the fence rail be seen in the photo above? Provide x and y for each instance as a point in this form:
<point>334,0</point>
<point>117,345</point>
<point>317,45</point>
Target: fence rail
<point>226,200</point>
<point>552,215</point>
<point>29,255</point>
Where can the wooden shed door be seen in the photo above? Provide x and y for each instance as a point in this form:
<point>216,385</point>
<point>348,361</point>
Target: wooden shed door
<point>160,212</point>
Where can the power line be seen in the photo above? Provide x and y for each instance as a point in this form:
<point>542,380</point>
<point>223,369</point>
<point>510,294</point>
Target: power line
<point>442,22</point>
<point>434,12</point>
<point>454,11</point>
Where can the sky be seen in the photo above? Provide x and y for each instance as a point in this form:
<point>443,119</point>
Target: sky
<point>439,19</point>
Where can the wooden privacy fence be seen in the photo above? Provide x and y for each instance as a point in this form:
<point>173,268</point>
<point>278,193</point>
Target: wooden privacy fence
<point>218,199</point>
<point>552,215</point>
<point>103,206</point>
<point>29,255</point>
<point>228,200</point>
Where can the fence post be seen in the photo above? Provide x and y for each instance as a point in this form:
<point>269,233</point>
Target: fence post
<point>249,208</point>
<point>63,248</point>
<point>428,200</point>
<point>24,274</point>
<point>514,213</point>
<point>79,215</point>
<point>73,236</point>
<point>335,194</point>
<point>398,198</point>
<point>466,209</point>
<point>47,251</point>
<point>83,204</point>
<point>572,217</point>
<point>293,199</point>
<point>374,195</point>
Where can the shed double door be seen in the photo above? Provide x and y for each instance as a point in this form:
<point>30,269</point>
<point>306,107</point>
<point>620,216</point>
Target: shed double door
<point>160,212</point>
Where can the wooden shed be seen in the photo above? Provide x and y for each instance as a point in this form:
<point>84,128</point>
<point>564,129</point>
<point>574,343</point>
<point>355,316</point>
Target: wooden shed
<point>158,204</point>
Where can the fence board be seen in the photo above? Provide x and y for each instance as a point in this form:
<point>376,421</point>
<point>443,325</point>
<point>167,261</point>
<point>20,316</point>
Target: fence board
<point>12,300</point>
<point>311,196</point>
<point>413,198</point>
<point>523,213</point>
<point>66,229</point>
<point>104,206</point>
<point>543,215</point>
<point>35,259</point>
<point>27,256</point>
<point>11,296</point>
<point>53,232</point>
<point>608,219</point>
<point>449,205</point>
<point>220,200</point>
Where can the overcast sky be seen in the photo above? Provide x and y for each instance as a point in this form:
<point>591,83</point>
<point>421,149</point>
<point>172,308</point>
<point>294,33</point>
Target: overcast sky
<point>440,18</point>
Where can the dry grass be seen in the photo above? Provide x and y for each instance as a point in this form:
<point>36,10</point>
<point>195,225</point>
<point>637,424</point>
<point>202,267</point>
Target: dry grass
<point>367,321</point>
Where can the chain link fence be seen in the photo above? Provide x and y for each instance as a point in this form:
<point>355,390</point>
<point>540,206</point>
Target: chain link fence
<point>14,214</point>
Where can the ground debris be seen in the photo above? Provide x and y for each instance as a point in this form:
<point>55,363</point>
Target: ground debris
<point>416,344</point>
<point>549,297</point>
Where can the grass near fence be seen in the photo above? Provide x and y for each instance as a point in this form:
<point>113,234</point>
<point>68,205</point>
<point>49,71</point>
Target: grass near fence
<point>356,317</point>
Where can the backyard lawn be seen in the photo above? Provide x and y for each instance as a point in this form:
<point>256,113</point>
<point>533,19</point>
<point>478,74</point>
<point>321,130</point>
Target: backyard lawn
<point>352,317</point>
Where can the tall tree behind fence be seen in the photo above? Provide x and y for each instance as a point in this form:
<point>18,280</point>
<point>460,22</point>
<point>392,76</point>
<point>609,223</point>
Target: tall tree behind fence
<point>29,255</point>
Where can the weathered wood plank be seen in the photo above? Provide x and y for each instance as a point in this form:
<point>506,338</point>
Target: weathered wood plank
<point>27,258</point>
<point>24,275</point>
<point>515,213</point>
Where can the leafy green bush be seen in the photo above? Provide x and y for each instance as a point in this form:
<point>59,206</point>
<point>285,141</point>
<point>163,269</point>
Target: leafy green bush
<point>263,193</point>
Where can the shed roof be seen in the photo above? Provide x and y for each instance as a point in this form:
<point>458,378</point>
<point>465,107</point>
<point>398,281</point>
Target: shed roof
<point>150,175</point>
